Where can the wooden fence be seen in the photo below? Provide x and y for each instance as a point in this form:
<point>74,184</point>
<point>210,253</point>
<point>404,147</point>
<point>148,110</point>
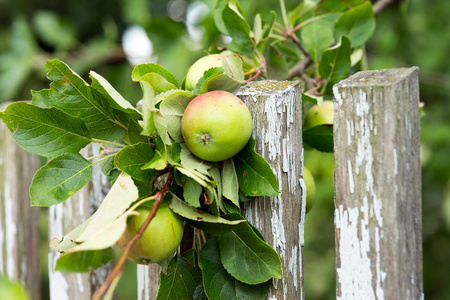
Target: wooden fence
<point>377,194</point>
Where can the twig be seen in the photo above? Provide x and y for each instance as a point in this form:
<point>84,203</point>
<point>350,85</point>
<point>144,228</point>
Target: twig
<point>121,262</point>
<point>380,5</point>
<point>299,68</point>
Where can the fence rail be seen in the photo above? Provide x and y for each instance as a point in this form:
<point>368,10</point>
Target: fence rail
<point>377,194</point>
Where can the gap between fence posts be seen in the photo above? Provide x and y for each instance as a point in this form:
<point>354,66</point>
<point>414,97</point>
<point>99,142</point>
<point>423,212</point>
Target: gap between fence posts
<point>19,223</point>
<point>66,216</point>
<point>378,185</point>
<point>276,107</point>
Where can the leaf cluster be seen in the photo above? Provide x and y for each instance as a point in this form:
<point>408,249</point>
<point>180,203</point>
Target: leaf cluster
<point>139,148</point>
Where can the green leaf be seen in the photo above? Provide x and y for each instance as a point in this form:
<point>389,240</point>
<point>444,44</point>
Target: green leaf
<point>159,159</point>
<point>248,258</point>
<point>132,158</point>
<point>41,98</point>
<point>59,179</point>
<point>189,212</point>
<point>192,191</point>
<point>335,62</point>
<point>219,284</point>
<point>320,137</point>
<point>72,95</point>
<point>218,82</point>
<point>179,281</point>
<point>257,28</point>
<point>255,176</point>
<point>277,67</point>
<point>313,99</point>
<point>233,66</point>
<point>148,108</point>
<point>172,106</point>
<point>316,37</point>
<point>358,24</point>
<point>114,98</point>
<point>160,79</point>
<point>239,31</point>
<point>192,162</point>
<point>48,132</point>
<point>84,261</point>
<point>230,184</point>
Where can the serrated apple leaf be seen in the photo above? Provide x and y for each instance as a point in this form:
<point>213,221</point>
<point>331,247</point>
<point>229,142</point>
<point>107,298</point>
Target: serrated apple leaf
<point>254,174</point>
<point>192,191</point>
<point>313,99</point>
<point>316,37</point>
<point>41,98</point>
<point>48,132</point>
<point>192,162</point>
<point>248,258</point>
<point>219,284</point>
<point>172,107</point>
<point>84,261</point>
<point>59,179</point>
<point>161,79</point>
<point>218,81</point>
<point>238,29</point>
<point>358,24</point>
<point>320,137</point>
<point>71,94</point>
<point>131,160</point>
<point>114,98</point>
<point>179,280</point>
<point>233,66</point>
<point>230,184</point>
<point>335,62</point>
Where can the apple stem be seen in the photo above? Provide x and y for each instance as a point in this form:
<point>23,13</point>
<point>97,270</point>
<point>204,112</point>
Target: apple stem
<point>117,271</point>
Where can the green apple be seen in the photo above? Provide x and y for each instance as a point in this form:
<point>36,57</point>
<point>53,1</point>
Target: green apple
<point>319,115</point>
<point>12,290</point>
<point>216,125</point>
<point>310,189</point>
<point>160,239</point>
<point>196,71</point>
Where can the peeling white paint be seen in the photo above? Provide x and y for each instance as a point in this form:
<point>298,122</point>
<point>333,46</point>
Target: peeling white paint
<point>350,177</point>
<point>11,231</point>
<point>143,280</point>
<point>394,153</point>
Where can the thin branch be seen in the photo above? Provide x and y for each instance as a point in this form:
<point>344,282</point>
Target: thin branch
<point>380,5</point>
<point>121,262</point>
<point>299,68</point>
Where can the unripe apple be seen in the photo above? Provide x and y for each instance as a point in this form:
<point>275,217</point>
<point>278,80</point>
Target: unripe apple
<point>310,189</point>
<point>319,115</point>
<point>160,239</point>
<point>216,125</point>
<point>196,71</point>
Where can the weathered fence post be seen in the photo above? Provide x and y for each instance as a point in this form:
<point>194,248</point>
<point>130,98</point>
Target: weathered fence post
<point>62,219</point>
<point>19,223</point>
<point>378,186</point>
<point>276,108</point>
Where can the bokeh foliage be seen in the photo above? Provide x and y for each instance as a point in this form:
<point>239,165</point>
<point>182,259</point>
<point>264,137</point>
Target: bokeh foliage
<point>88,36</point>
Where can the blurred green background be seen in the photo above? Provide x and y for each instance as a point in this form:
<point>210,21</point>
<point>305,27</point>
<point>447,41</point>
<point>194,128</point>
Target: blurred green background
<point>90,35</point>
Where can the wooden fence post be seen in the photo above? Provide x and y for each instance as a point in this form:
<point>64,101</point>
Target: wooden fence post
<point>62,219</point>
<point>19,223</point>
<point>276,108</point>
<point>378,185</point>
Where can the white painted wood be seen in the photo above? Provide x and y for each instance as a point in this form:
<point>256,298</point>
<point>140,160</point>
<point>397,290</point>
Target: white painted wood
<point>62,219</point>
<point>19,223</point>
<point>378,185</point>
<point>276,108</point>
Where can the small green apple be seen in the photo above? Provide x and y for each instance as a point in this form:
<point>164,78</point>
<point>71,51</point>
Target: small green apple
<point>160,239</point>
<point>319,115</point>
<point>310,189</point>
<point>216,125</point>
<point>196,71</point>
